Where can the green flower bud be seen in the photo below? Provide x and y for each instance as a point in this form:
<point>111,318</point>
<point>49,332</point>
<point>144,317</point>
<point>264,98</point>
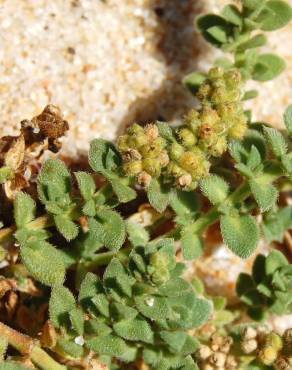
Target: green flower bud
<point>187,138</point>
<point>152,166</point>
<point>176,151</point>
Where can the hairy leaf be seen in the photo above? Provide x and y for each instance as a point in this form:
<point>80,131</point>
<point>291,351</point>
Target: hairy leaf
<point>240,233</point>
<point>66,227</point>
<point>274,261</point>
<point>109,345</point>
<point>86,184</point>
<point>267,67</point>
<point>265,194</point>
<point>103,156</point>
<point>137,234</point>
<point>158,195</point>
<point>136,329</point>
<point>62,302</point>
<point>192,245</point>
<point>77,320</point>
<point>254,42</point>
<point>109,227</point>
<point>124,193</point>
<point>43,262</point>
<point>24,209</point>
<point>54,180</point>
<point>214,188</point>
<point>275,14</point>
<point>276,140</point>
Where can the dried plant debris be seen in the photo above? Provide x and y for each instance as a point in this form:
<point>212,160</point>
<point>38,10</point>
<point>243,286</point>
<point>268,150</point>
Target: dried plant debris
<point>87,284</point>
<point>20,156</point>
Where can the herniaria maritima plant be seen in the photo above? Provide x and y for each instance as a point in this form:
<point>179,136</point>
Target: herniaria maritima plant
<point>83,285</point>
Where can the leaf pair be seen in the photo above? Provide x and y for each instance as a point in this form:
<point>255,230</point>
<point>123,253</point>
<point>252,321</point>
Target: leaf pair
<point>43,261</point>
<point>106,160</point>
<point>54,188</point>
<point>269,286</point>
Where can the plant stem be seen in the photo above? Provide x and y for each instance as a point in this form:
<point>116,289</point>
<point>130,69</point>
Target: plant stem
<point>27,346</point>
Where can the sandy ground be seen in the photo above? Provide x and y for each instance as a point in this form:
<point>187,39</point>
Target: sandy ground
<point>109,63</point>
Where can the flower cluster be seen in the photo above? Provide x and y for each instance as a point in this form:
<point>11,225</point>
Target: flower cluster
<point>183,155</point>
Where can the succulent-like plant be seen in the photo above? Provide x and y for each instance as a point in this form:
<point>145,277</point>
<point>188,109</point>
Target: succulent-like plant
<point>70,234</point>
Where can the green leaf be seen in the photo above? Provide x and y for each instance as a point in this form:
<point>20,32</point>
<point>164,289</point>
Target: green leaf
<point>184,203</point>
<point>288,119</point>
<point>158,195</point>
<point>54,180</point>
<point>214,188</point>
<point>255,42</point>
<point>244,284</point>
<point>153,307</point>
<point>6,173</point>
<point>267,67</point>
<point>86,184</point>
<point>207,22</point>
<point>109,227</point>
<point>235,229</point>
<point>71,348</point>
<point>101,302</point>
<point>103,156</point>
<point>116,277</point>
<point>24,209</point>
<point>66,227</point>
<point>193,81</point>
<point>136,329</point>
<point>275,14</point>
<point>219,33</point>
<point>137,234</point>
<point>109,345</point>
<point>265,195</point>
<point>175,340</point>
<point>77,320</point>
<point>90,286</point>
<point>43,262</point>
<point>62,302</point>
<point>275,226</point>
<point>201,311</point>
<point>276,141</point>
<point>274,261</point>
<point>124,193</point>
<point>192,245</point>
<point>251,4</point>
<point>232,15</point>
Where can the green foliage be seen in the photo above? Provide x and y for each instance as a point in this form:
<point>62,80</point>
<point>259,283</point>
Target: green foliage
<point>215,189</point>
<point>108,227</point>
<point>269,286</point>
<point>214,165</point>
<point>288,119</point>
<point>44,262</point>
<point>24,209</point>
<point>235,228</point>
<point>267,67</point>
<point>143,302</point>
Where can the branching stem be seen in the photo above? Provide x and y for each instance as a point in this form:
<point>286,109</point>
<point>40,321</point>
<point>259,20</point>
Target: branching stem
<point>27,346</point>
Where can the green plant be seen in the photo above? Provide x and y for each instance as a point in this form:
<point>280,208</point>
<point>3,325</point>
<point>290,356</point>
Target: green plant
<point>72,237</point>
<point>269,287</point>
